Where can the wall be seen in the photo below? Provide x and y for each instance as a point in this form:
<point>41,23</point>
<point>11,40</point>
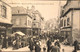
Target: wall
<point>29,22</point>
<point>37,22</point>
<point>19,21</point>
<point>76,25</point>
<point>8,14</point>
<point>22,21</point>
<point>65,18</point>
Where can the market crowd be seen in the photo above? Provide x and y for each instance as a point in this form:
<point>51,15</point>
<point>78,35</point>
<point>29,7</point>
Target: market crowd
<point>51,46</point>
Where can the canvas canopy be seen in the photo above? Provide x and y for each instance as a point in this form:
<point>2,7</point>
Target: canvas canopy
<point>19,33</point>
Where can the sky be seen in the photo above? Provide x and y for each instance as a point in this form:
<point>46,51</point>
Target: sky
<point>48,9</point>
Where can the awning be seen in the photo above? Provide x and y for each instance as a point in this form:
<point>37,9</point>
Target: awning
<point>5,24</point>
<point>19,33</point>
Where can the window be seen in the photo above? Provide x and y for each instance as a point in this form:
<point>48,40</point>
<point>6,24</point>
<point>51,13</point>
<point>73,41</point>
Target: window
<point>61,23</point>
<point>64,22</point>
<point>34,18</point>
<point>18,11</point>
<point>17,21</point>
<point>23,21</point>
<point>68,21</point>
<point>28,22</point>
<point>3,10</point>
<point>34,24</point>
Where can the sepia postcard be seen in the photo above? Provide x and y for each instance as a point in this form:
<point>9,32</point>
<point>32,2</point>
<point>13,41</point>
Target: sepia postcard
<point>39,25</point>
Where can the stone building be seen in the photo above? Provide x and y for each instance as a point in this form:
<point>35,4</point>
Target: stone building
<point>5,19</point>
<point>21,20</point>
<point>37,22</point>
<point>70,21</point>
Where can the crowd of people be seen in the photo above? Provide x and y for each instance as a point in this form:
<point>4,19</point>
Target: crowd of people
<point>14,42</point>
<point>51,46</point>
<point>4,42</point>
<point>52,43</point>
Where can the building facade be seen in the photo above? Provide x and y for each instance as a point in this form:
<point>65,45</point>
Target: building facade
<point>37,23</point>
<point>69,21</point>
<point>37,20</point>
<point>5,19</point>
<point>21,20</point>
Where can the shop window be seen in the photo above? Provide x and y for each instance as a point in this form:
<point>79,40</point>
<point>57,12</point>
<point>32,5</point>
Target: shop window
<point>3,11</point>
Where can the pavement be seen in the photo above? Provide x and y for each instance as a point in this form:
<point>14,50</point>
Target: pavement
<point>66,48</point>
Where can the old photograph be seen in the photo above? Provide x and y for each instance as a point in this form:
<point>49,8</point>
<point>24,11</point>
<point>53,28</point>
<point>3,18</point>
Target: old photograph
<point>39,25</point>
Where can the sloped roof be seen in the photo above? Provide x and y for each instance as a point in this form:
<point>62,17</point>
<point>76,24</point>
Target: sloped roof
<point>19,10</point>
<point>71,4</point>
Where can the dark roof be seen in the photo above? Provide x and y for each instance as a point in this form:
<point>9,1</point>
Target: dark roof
<point>69,7</point>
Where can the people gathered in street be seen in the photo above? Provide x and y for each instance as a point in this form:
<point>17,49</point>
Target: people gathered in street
<point>31,45</point>
<point>48,45</point>
<point>75,46</point>
<point>37,47</point>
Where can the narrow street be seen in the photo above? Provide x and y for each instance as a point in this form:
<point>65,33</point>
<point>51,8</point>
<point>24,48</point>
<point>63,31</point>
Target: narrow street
<point>43,43</point>
<point>39,26</point>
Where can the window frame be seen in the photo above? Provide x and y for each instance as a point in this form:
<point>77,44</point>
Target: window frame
<point>3,11</point>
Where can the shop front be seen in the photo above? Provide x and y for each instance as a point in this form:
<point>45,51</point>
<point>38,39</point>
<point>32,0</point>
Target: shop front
<point>36,31</point>
<point>67,34</point>
<point>5,31</point>
<point>15,29</point>
<point>29,31</point>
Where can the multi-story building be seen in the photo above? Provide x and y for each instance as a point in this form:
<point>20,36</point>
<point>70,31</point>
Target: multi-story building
<point>37,22</point>
<point>21,20</point>
<point>5,19</point>
<point>42,26</point>
<point>70,21</point>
